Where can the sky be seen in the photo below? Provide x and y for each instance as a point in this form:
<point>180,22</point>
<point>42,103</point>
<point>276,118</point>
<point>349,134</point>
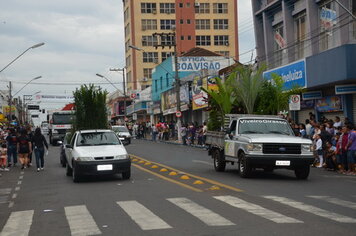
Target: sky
<point>82,38</point>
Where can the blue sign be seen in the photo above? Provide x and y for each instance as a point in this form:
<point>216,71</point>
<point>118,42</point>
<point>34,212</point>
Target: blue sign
<point>312,95</point>
<point>345,89</point>
<point>293,75</point>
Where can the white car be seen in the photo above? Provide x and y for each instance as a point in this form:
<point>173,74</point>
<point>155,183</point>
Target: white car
<point>96,152</point>
<point>123,133</point>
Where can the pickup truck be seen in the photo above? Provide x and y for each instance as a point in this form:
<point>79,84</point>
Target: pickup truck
<point>253,141</point>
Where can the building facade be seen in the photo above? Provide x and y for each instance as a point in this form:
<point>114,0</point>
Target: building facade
<point>210,24</point>
<point>312,44</point>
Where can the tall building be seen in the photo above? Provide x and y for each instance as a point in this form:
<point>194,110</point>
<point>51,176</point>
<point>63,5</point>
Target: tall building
<point>209,24</point>
<point>312,44</point>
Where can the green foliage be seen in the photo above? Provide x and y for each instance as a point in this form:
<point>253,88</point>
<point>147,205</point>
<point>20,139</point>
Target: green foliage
<point>90,108</point>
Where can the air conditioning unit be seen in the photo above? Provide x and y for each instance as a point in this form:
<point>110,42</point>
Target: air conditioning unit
<point>197,4</point>
<point>155,61</point>
<point>144,79</point>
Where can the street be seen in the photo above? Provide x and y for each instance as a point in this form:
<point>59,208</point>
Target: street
<point>175,190</point>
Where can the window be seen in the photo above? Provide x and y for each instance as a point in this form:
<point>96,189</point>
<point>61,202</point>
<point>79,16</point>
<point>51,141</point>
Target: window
<point>326,27</point>
<point>167,24</point>
<point>188,5</point>
<point>156,85</point>
<point>148,7</point>
<point>189,37</point>
<point>126,14</point>
<point>202,8</point>
<point>128,60</point>
<point>150,57</point>
<point>203,40</point>
<point>353,3</point>
<point>221,24</point>
<point>202,24</point>
<point>168,8</point>
<point>221,40</point>
<point>165,55</point>
<point>167,40</point>
<point>127,29</point>
<point>188,22</point>
<point>181,5</point>
<point>127,45</point>
<point>147,73</point>
<point>167,80</point>
<point>181,21</point>
<point>182,37</point>
<point>277,56</point>
<point>223,53</point>
<point>161,82</point>
<point>220,8</point>
<point>149,40</point>
<point>300,27</point>
<point>149,24</point>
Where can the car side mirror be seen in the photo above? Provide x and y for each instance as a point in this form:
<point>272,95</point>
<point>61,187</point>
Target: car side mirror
<point>69,146</point>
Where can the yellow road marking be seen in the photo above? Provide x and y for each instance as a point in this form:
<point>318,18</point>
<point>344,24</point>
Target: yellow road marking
<point>168,179</point>
<point>184,177</point>
<point>154,166</point>
<point>198,182</point>
<point>163,170</point>
<point>194,176</point>
<point>173,173</point>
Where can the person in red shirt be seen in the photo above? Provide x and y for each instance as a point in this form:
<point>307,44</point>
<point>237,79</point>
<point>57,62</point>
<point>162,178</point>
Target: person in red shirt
<point>342,151</point>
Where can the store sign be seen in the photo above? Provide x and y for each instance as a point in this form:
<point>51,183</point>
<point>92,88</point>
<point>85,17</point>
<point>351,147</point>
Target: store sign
<point>200,97</point>
<point>280,40</point>
<point>294,103</point>
<point>63,98</point>
<point>293,75</point>
<point>6,109</point>
<point>327,18</point>
<point>345,89</point>
<point>186,64</point>
<point>312,95</point>
<point>134,116</point>
<point>329,104</point>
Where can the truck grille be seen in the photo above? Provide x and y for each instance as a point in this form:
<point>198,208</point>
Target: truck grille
<point>280,148</point>
<point>61,131</point>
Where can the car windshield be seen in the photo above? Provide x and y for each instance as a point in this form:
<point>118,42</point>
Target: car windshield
<point>120,129</point>
<point>97,139</point>
<point>63,118</point>
<point>264,126</point>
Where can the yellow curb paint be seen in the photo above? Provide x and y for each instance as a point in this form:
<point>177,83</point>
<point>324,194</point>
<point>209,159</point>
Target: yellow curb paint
<point>163,170</point>
<point>198,182</point>
<point>214,187</point>
<point>141,162</point>
<point>135,160</point>
<point>154,167</point>
<point>173,173</point>
<point>184,177</point>
<point>148,163</point>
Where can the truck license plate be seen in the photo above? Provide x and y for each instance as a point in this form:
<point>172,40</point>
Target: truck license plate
<point>104,167</point>
<point>282,163</point>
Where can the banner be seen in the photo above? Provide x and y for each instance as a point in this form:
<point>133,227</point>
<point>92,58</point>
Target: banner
<point>280,40</point>
<point>329,104</point>
<point>169,101</point>
<point>199,97</point>
<point>63,98</point>
<point>327,18</point>
<point>190,64</point>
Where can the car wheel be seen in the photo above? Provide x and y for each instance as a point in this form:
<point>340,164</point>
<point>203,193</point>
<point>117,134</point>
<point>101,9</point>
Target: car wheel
<point>75,175</point>
<point>244,168</point>
<point>302,172</point>
<point>63,163</point>
<point>126,175</point>
<point>69,171</point>
<point>219,161</point>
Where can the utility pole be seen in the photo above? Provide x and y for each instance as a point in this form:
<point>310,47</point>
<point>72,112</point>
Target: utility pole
<point>167,37</point>
<point>10,103</point>
<point>124,87</point>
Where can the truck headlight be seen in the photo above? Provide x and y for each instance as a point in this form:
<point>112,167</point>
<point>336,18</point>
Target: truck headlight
<point>307,147</point>
<point>84,159</point>
<point>254,147</point>
<point>122,157</point>
<point>55,131</point>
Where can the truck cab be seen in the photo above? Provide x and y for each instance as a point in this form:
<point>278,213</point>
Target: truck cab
<point>60,122</point>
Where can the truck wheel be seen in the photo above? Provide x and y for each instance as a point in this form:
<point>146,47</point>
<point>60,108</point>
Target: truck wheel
<point>219,161</point>
<point>302,172</point>
<point>69,171</point>
<point>244,168</point>
<point>126,175</point>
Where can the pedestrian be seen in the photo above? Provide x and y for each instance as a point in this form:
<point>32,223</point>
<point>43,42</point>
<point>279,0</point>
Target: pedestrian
<point>11,148</point>
<point>330,157</point>
<point>30,135</point>
<point>351,150</point>
<point>154,132</point>
<point>3,157</point>
<point>302,131</point>
<point>24,147</point>
<point>39,142</point>
<point>319,150</point>
<point>308,127</point>
<point>205,130</point>
<point>183,132</point>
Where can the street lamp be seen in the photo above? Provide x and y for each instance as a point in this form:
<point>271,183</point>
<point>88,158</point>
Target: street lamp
<point>124,86</point>
<point>32,47</point>
<point>36,78</point>
<point>101,76</point>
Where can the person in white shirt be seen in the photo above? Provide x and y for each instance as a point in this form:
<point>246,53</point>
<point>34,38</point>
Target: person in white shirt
<point>308,127</point>
<point>319,150</point>
<point>338,122</point>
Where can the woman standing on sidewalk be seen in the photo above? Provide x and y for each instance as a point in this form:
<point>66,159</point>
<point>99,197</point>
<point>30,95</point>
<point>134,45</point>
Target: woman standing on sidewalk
<point>39,141</point>
<point>24,148</point>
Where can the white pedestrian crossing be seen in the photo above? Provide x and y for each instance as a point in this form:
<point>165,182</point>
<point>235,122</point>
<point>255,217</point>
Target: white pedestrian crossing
<point>81,221</point>
<point>336,201</point>
<point>18,224</point>
<point>145,218</point>
<point>4,195</point>
<point>312,209</point>
<point>207,216</point>
<point>257,210</point>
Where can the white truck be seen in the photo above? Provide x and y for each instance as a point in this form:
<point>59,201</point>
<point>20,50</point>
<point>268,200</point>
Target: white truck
<point>60,122</point>
<point>253,141</point>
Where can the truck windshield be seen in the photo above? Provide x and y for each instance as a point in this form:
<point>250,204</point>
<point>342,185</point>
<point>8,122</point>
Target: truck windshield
<point>62,118</point>
<point>264,126</point>
<point>120,129</point>
<point>98,138</point>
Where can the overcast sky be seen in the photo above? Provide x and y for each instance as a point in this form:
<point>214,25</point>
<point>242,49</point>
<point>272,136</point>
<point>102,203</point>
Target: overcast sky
<point>82,38</point>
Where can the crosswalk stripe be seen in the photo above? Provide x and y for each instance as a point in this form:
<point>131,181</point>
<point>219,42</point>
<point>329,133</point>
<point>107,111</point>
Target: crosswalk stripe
<point>5,191</point>
<point>207,216</point>
<point>143,216</point>
<point>311,209</point>
<point>80,221</point>
<point>19,223</point>
<point>257,210</point>
<point>336,201</point>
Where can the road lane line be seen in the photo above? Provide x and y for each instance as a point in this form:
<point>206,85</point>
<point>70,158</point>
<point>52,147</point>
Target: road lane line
<point>207,216</point>
<point>202,162</point>
<point>168,179</point>
<point>5,191</point>
<point>19,223</point>
<point>257,210</point>
<point>21,177</point>
<point>194,176</point>
<point>11,204</point>
<point>14,195</point>
<point>143,216</point>
<point>336,201</point>
<point>17,188</point>
<point>313,210</point>
<point>19,182</point>
<point>81,221</point>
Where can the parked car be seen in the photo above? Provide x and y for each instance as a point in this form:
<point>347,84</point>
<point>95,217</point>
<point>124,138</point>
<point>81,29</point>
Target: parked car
<point>96,152</point>
<point>123,133</point>
<point>62,153</point>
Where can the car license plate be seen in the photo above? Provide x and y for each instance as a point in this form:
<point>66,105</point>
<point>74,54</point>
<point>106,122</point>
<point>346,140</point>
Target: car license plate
<point>282,163</point>
<point>104,167</point>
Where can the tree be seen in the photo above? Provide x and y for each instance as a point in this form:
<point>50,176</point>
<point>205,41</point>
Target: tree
<point>90,108</point>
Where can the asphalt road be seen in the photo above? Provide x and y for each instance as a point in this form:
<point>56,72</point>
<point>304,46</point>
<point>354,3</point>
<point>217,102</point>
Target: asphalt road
<point>174,190</point>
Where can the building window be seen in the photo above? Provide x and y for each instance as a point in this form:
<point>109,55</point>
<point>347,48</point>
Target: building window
<point>167,80</point>
<point>147,73</point>
<point>156,85</point>
<point>126,14</point>
<point>149,40</point>
<point>353,3</point>
<point>181,21</point>
<point>202,24</point>
<point>148,7</point>
<point>127,45</point>
<point>326,24</point>
<point>221,40</point>
<point>128,61</point>
<point>223,53</point>
<point>167,40</point>
<point>202,8</point>
<point>161,82</point>
<point>149,24</point>
<point>203,40</point>
<point>166,55</point>
<point>300,31</point>
<point>277,55</point>
<point>150,57</point>
<point>189,37</point>
<point>220,8</point>
<point>127,30</point>
<point>181,5</point>
<point>168,8</point>
<point>188,4</point>
<point>167,24</point>
<point>188,22</point>
<point>182,37</point>
<point>221,24</point>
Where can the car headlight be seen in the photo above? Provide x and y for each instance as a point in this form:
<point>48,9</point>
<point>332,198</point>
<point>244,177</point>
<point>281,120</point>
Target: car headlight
<point>307,147</point>
<point>254,147</point>
<point>122,157</point>
<point>84,159</point>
